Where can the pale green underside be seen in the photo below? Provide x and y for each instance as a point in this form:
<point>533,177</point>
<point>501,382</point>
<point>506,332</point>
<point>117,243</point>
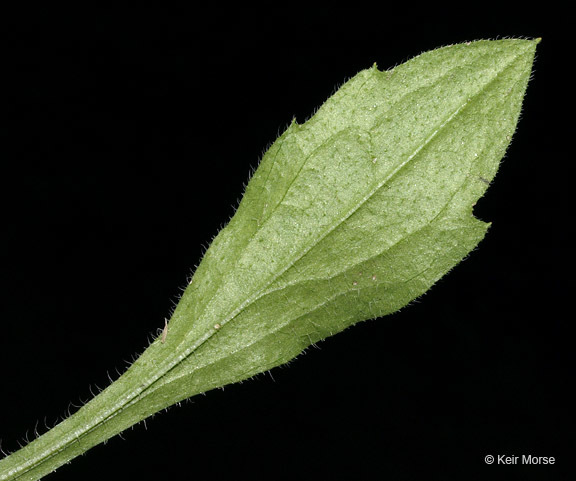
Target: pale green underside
<point>349,216</point>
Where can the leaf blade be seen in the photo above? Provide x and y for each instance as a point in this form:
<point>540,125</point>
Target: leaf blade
<point>262,248</point>
<point>349,216</point>
<point>466,186</point>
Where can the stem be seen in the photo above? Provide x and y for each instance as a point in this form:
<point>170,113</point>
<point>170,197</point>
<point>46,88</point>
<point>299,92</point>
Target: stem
<point>89,426</point>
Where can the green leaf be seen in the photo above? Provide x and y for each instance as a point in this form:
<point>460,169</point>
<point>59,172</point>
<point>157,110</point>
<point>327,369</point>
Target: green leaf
<point>349,216</point>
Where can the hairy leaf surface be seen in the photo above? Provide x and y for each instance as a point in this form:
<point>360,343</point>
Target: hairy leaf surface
<point>349,216</point>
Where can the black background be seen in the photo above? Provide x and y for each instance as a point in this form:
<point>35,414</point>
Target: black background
<point>127,138</point>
